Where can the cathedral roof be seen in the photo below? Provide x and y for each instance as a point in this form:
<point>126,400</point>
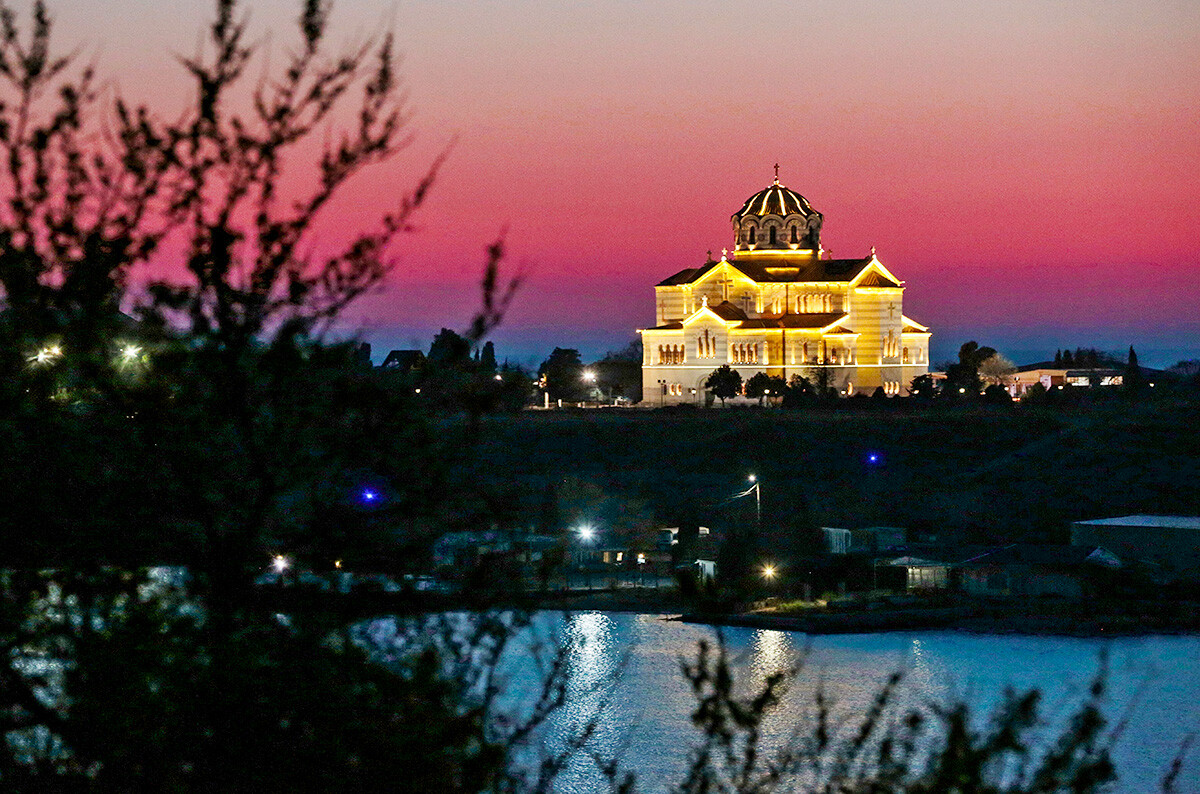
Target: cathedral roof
<point>800,269</point>
<point>809,321</point>
<point>775,200</point>
<point>877,279</point>
<point>727,311</point>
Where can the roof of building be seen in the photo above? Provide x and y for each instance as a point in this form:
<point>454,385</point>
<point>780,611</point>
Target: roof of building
<point>776,200</point>
<point>727,311</point>
<point>877,280</point>
<point>403,360</point>
<point>815,320</point>
<point>802,268</point>
<point>1159,522</point>
<point>1045,555</point>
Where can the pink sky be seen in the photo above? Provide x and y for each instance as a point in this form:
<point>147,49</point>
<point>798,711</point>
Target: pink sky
<point>1030,168</point>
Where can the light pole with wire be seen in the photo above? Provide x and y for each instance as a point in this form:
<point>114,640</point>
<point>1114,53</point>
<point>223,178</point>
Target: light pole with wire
<point>756,486</point>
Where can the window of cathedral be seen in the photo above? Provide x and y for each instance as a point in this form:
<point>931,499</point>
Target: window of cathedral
<point>772,233</point>
<point>752,235</point>
<point>795,238</point>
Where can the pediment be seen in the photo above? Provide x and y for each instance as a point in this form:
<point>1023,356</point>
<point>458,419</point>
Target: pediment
<point>875,275</point>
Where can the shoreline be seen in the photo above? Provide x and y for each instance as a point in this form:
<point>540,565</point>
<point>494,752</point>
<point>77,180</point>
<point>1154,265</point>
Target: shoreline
<point>964,619</point>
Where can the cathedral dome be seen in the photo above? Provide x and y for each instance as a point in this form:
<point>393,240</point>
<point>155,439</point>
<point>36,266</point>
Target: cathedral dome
<point>775,200</point>
<point>777,219</point>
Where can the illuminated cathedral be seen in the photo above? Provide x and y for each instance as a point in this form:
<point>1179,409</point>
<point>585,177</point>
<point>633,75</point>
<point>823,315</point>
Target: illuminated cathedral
<point>777,304</point>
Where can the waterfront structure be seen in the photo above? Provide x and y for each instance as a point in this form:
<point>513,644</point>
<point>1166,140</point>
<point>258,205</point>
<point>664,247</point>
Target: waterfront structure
<point>778,304</point>
<point>1169,544</point>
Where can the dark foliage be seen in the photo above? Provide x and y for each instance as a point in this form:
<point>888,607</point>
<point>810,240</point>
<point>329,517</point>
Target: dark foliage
<point>725,383</point>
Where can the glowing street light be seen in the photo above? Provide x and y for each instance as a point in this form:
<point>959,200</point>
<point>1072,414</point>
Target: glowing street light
<point>587,534</point>
<point>130,353</point>
<point>769,572</point>
<point>280,563</point>
<point>589,376</point>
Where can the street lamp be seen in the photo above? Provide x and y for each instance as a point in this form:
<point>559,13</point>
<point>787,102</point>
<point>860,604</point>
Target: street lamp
<point>757,488</point>
<point>586,535</point>
<point>769,572</point>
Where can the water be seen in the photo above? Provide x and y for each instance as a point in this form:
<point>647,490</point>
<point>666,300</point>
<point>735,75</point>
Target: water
<point>645,717</point>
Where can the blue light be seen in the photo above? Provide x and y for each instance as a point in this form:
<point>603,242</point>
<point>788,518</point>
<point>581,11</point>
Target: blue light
<point>874,458</point>
<point>368,495</point>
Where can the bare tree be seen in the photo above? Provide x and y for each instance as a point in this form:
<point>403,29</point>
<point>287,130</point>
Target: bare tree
<point>997,369</point>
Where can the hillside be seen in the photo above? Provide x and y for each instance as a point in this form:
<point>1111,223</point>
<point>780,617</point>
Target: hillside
<point>978,472</point>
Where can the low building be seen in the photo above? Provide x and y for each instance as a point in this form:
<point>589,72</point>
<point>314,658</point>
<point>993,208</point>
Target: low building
<point>404,361</point>
<point>1025,569</point>
<point>837,541</point>
<point>922,573</point>
<point>1051,377</point>
<point>467,549</point>
<point>874,540</point>
<point>1170,543</point>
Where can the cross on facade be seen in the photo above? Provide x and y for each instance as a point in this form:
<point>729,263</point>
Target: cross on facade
<point>891,310</point>
<point>725,282</point>
<point>746,297</point>
<point>777,172</point>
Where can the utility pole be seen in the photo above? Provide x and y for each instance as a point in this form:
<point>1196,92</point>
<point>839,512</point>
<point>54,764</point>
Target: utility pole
<point>757,487</point>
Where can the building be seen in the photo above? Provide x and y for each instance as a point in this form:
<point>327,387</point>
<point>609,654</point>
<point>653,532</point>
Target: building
<point>404,361</point>
<point>1051,377</point>
<point>1169,543</point>
<point>778,304</point>
<point>1025,569</point>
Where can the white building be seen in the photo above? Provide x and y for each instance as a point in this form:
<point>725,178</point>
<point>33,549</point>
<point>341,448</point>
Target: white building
<point>779,305</point>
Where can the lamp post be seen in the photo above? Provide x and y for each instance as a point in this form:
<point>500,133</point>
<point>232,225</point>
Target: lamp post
<point>589,377</point>
<point>756,486</point>
<point>586,536</point>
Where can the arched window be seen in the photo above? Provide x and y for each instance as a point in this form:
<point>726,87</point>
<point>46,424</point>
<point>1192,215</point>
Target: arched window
<point>795,238</point>
<point>772,232</point>
<point>752,235</point>
<point>660,355</point>
<point>905,359</point>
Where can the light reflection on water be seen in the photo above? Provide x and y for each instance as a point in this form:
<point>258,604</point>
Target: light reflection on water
<point>644,715</point>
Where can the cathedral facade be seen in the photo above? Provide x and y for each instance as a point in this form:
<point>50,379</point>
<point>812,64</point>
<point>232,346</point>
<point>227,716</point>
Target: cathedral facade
<point>777,304</point>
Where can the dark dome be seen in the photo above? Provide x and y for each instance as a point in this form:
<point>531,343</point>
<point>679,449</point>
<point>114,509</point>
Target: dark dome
<point>775,200</point>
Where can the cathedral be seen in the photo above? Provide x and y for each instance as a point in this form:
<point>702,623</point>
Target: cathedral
<point>777,304</point>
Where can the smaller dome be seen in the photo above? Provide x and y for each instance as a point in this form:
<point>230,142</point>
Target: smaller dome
<point>775,200</point>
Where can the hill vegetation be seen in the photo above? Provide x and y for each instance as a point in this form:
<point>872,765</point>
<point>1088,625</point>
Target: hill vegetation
<point>980,473</point>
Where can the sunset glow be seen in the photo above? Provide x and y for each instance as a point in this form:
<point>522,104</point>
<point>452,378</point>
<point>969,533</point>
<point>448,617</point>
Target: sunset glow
<point>1027,168</point>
